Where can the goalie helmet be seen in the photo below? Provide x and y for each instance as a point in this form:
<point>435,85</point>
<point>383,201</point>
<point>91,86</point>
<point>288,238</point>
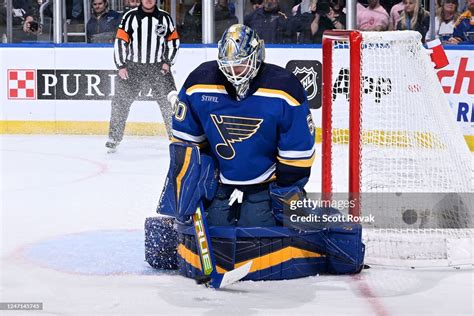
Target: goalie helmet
<point>241,53</point>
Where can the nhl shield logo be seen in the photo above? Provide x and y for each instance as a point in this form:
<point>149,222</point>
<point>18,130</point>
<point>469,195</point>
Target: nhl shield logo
<point>308,73</point>
<point>160,30</point>
<point>307,77</point>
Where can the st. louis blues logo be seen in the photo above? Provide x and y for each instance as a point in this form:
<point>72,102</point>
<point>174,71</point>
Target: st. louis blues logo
<point>308,76</point>
<point>233,129</point>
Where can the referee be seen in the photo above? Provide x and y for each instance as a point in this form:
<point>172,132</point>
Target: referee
<point>144,50</point>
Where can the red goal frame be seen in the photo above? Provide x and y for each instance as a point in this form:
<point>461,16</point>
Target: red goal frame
<point>354,38</point>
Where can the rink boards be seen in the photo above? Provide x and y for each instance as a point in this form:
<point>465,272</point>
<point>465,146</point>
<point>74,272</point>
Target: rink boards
<point>66,89</point>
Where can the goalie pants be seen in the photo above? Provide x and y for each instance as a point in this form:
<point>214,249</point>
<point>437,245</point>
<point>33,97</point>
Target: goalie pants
<point>142,77</point>
<point>254,211</point>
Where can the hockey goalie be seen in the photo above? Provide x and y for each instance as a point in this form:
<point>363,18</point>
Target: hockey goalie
<point>242,151</point>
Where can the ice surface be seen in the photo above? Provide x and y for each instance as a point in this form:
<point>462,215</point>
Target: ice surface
<point>72,237</point>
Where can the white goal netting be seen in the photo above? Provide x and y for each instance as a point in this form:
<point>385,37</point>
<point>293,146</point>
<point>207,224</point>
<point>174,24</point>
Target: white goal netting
<point>415,172</point>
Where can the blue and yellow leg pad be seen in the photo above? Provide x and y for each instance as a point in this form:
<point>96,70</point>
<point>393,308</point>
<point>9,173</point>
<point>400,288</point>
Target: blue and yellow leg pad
<point>277,253</point>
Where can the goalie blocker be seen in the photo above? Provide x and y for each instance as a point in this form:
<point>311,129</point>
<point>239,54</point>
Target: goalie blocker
<point>277,252</point>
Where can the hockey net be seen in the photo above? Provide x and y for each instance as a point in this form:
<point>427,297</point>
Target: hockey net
<point>390,139</point>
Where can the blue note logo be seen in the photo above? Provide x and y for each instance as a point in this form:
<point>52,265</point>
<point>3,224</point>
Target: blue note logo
<point>233,129</point>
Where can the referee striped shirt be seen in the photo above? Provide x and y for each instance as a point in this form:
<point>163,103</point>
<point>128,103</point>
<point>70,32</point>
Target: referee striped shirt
<point>146,38</point>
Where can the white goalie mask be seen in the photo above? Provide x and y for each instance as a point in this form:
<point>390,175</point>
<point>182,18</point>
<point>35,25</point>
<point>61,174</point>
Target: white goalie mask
<point>241,53</point>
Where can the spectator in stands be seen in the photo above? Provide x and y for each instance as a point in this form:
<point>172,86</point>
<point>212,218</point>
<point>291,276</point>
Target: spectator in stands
<point>77,12</point>
<point>223,17</point>
<point>387,4</point>
<point>339,8</point>
<point>130,4</point>
<point>395,13</point>
<point>444,21</point>
<point>256,4</point>
<point>269,23</point>
<point>252,5</point>
<point>300,8</point>
<point>414,17</point>
<point>372,18</point>
<point>25,20</point>
<point>103,23</point>
<point>74,12</point>
<point>300,22</point>
<point>191,29</point>
<point>287,5</point>
<point>464,26</point>
<point>310,26</point>
<point>32,23</point>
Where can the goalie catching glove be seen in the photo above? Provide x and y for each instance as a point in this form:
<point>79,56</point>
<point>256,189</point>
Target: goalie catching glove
<point>192,176</point>
<point>283,196</point>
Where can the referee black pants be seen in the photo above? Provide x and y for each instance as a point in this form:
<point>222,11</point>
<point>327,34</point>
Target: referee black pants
<point>141,77</point>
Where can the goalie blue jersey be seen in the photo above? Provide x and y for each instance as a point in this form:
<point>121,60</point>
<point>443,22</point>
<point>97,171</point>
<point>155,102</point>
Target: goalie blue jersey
<point>270,130</point>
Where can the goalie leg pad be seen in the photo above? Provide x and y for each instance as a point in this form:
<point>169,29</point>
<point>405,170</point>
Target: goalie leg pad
<point>277,252</point>
<point>161,240</point>
<point>342,245</point>
<point>192,176</point>
<point>344,248</point>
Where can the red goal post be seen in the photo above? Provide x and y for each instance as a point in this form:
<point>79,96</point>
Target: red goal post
<point>354,38</point>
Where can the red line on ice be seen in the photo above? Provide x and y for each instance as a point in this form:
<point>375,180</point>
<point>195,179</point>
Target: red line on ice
<point>376,304</point>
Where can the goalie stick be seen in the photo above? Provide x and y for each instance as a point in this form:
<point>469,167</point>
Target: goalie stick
<point>208,265</point>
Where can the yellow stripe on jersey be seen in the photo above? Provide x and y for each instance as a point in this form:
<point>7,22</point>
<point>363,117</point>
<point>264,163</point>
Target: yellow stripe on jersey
<point>274,93</point>
<point>210,88</point>
<point>202,145</point>
<point>308,162</point>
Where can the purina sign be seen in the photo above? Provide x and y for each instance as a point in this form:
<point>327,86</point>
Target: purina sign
<point>21,84</point>
<point>47,84</point>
